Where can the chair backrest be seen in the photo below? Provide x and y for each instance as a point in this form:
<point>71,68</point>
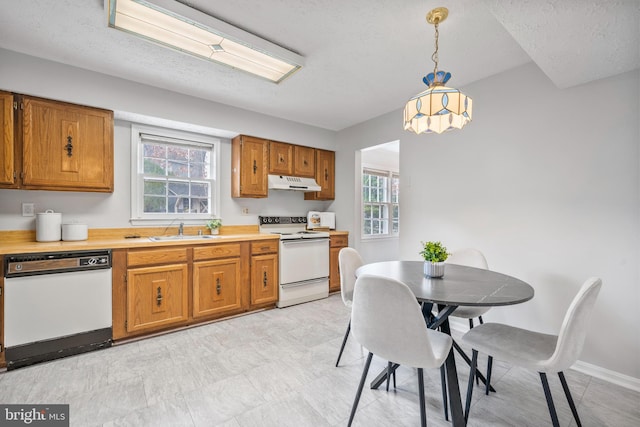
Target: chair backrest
<point>349,261</point>
<point>469,257</point>
<point>574,327</point>
<point>387,320</point>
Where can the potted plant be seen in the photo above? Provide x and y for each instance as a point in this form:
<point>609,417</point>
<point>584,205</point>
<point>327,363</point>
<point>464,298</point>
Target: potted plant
<point>434,255</point>
<point>214,225</point>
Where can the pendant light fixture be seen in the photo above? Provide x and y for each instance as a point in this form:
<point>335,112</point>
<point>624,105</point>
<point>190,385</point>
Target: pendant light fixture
<point>439,108</point>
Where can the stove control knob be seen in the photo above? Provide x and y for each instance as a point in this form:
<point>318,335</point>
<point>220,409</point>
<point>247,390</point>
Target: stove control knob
<point>277,220</point>
<point>270,220</point>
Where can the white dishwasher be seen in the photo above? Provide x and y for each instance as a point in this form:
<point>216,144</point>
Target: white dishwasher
<point>56,304</point>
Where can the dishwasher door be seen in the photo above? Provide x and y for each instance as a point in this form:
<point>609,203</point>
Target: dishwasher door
<point>56,305</point>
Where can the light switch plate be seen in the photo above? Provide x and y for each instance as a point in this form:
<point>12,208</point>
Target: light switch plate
<point>28,209</point>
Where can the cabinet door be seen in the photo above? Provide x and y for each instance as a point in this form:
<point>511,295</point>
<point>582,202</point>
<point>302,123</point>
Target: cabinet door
<point>334,269</point>
<point>7,139</point>
<point>67,147</point>
<point>157,297</point>
<point>216,287</point>
<point>264,279</point>
<point>325,175</point>
<point>280,158</point>
<point>304,163</point>
<point>249,167</point>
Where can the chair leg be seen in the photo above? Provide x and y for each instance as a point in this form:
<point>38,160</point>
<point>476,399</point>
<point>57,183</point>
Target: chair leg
<point>360,386</point>
<point>344,342</point>
<point>471,325</point>
<point>472,374</point>
<point>445,400</point>
<point>567,393</point>
<point>489,366</point>
<point>389,364</point>
<point>423,409</point>
<point>480,319</point>
<point>547,395</point>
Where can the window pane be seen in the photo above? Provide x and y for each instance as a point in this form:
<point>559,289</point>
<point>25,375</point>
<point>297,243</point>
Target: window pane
<point>155,187</point>
<point>178,188</point>
<point>200,189</point>
<point>155,204</point>
<point>155,167</point>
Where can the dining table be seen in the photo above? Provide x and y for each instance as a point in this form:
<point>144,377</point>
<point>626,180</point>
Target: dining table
<point>460,285</point>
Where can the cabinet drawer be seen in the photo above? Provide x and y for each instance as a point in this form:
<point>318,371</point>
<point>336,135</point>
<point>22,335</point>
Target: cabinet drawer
<point>264,247</point>
<point>338,241</point>
<point>216,251</point>
<point>156,256</point>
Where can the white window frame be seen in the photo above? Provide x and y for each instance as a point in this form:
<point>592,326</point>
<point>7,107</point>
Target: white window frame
<point>138,217</point>
<point>389,204</point>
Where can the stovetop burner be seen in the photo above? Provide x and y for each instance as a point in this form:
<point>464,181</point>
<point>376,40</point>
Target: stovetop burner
<point>289,227</point>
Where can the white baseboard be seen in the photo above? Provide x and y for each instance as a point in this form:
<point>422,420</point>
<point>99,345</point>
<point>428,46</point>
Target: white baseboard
<point>613,377</point>
<point>626,381</point>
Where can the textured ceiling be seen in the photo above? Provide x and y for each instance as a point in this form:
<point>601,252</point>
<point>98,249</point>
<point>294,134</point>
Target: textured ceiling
<point>363,58</point>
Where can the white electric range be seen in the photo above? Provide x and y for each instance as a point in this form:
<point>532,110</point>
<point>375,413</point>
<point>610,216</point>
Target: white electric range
<point>304,259</point>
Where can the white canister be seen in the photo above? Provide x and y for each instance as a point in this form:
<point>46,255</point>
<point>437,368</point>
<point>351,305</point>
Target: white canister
<point>48,226</point>
<point>74,231</point>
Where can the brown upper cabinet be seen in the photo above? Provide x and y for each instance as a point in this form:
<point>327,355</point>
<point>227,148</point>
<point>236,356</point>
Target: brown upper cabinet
<point>56,146</point>
<point>280,158</point>
<point>304,161</point>
<point>7,170</point>
<point>252,159</point>
<point>325,176</point>
<point>289,159</point>
<point>249,163</point>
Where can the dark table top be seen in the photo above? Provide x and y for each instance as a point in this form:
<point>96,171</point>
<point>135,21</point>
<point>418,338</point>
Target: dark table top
<point>460,285</point>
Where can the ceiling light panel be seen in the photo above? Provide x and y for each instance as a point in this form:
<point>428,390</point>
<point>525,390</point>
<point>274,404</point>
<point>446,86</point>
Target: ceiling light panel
<point>182,28</point>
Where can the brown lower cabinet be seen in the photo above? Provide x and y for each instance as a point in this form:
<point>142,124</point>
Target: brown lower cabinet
<point>156,296</point>
<point>158,289</point>
<point>336,243</point>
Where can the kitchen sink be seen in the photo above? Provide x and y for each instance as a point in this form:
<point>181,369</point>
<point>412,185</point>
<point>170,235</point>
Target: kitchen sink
<point>181,237</point>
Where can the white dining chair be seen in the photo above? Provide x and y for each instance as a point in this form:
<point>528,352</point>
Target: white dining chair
<point>349,261</point>
<point>543,353</point>
<point>387,320</point>
<point>470,257</point>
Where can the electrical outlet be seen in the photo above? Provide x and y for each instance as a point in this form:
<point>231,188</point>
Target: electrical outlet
<point>28,209</point>
<point>245,211</point>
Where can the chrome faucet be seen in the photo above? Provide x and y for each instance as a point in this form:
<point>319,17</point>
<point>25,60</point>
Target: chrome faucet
<point>181,229</point>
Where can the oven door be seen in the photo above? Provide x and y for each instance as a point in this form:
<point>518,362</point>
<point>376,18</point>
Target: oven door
<point>303,259</point>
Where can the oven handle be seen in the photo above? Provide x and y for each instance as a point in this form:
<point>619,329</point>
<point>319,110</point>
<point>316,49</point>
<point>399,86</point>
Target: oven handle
<point>302,283</point>
<point>299,241</point>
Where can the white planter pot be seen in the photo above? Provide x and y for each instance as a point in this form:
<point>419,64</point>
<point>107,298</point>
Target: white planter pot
<point>434,269</point>
<point>214,230</point>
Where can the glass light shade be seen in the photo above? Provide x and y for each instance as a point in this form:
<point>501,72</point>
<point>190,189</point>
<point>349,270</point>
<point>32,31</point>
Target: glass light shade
<point>183,33</point>
<point>437,109</point>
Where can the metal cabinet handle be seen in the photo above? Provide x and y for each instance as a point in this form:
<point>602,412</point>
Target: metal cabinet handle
<point>218,286</point>
<point>159,296</point>
<point>326,175</point>
<point>255,167</point>
<point>69,146</point>
<point>264,279</point>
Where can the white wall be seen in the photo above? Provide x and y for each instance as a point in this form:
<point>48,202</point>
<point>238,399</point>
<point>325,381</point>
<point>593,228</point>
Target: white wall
<point>32,76</point>
<point>546,183</point>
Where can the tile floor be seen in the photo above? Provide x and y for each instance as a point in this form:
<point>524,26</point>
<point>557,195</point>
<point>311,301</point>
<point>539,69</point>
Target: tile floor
<point>276,368</point>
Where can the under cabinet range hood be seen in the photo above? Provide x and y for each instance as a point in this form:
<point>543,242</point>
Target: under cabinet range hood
<point>296,183</point>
